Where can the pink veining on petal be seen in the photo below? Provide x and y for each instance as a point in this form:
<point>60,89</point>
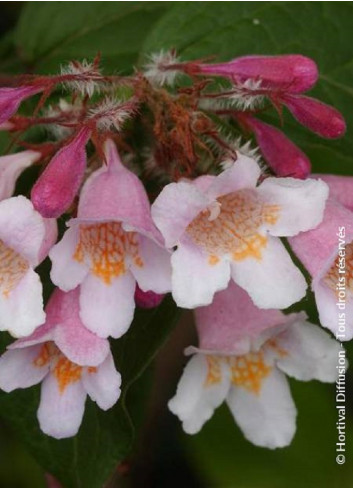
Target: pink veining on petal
<point>281,154</point>
<point>11,98</point>
<point>147,300</point>
<point>114,193</point>
<point>232,317</point>
<point>292,73</point>
<point>57,186</point>
<point>324,120</point>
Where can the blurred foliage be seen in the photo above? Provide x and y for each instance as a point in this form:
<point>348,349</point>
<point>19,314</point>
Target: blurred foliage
<point>49,34</point>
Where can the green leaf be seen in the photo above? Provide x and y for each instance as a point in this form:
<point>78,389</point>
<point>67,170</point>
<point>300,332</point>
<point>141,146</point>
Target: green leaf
<point>52,33</point>
<point>222,455</point>
<point>321,30</point>
<point>105,438</point>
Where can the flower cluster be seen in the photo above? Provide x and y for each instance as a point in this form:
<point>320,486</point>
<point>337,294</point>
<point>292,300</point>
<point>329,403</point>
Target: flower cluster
<point>185,209</point>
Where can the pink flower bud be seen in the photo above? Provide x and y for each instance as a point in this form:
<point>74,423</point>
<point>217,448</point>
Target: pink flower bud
<point>293,73</point>
<point>147,300</point>
<point>11,98</point>
<point>56,188</point>
<point>283,156</point>
<point>320,118</point>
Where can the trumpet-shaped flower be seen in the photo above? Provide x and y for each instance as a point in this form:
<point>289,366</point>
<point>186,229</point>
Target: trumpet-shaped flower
<point>244,357</point>
<point>11,166</point>
<point>327,254</point>
<point>111,245</point>
<point>25,239</point>
<point>69,360</point>
<point>226,226</point>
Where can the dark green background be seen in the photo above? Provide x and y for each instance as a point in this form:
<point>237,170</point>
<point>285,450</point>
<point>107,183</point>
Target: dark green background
<point>38,37</point>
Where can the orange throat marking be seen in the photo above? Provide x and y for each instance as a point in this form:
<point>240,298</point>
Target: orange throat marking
<point>13,267</point>
<point>105,247</point>
<point>247,371</point>
<point>235,231</point>
<point>333,276</point>
<point>64,371</point>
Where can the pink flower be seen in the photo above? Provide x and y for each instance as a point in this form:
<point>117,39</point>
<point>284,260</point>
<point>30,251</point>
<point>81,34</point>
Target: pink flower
<point>112,244</point>
<point>226,227</point>
<point>244,356</point>
<point>57,186</point>
<point>25,238</point>
<point>147,300</point>
<point>282,156</point>
<point>320,118</point>
<point>11,98</point>
<point>69,360</point>
<point>292,73</point>
<point>320,251</point>
<point>11,166</point>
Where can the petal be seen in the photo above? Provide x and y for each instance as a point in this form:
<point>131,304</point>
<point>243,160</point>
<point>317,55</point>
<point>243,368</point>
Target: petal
<point>266,419</point>
<point>341,188</point>
<point>108,310</point>
<point>317,249</point>
<point>194,279</point>
<point>232,320</point>
<point>66,272</point>
<point>273,281</point>
<point>301,203</point>
<point>103,386</point>
<point>78,344</point>
<point>244,173</point>
<point>11,166</point>
<point>175,207</point>
<point>60,413</point>
<point>50,237</point>
<point>21,227</point>
<point>17,369</point>
<point>330,312</point>
<point>194,402</point>
<point>22,310</point>
<point>155,273</point>
<point>311,353</point>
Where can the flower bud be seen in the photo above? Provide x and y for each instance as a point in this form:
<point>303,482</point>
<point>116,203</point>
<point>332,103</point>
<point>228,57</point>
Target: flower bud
<point>56,188</point>
<point>147,300</point>
<point>11,98</point>
<point>292,73</point>
<point>281,154</point>
<point>320,118</point>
